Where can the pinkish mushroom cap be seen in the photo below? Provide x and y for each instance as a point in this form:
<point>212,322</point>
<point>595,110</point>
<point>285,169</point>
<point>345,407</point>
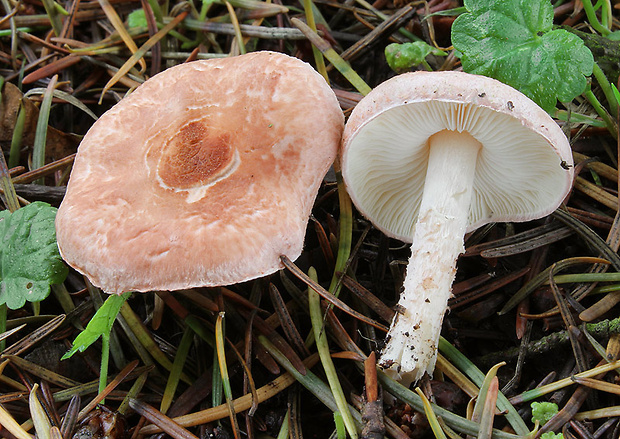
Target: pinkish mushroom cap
<point>203,176</point>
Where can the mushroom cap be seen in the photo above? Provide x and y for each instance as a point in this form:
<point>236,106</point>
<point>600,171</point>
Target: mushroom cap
<point>203,176</point>
<point>523,171</point>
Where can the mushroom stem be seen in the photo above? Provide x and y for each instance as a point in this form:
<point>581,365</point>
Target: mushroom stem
<point>411,347</point>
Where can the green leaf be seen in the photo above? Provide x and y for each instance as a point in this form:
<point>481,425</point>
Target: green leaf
<point>29,257</point>
<point>513,42</point>
<point>616,93</point>
<point>402,57</point>
<point>543,411</point>
<point>552,435</point>
<point>136,18</point>
<point>341,431</point>
<point>100,325</point>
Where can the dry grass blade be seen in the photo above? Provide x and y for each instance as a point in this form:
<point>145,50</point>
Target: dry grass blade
<point>596,193</point>
<point>267,330</point>
<point>71,416</point>
<point>324,243</point>
<point>430,415</point>
<point>239,299</point>
<point>482,397</point>
<point>607,412</point>
<point>569,322</point>
<point>327,295</point>
<point>43,171</point>
<point>286,321</point>
<point>41,422</point>
<point>488,412</point>
<point>525,236</point>
<point>8,190</point>
<point>12,426</point>
<point>142,51</point>
<point>200,300</point>
<point>601,307</point>
<point>598,385</point>
<point>528,245</point>
<point>116,21</point>
<point>567,412</point>
<point>600,168</point>
<point>221,359</point>
<point>10,332</point>
<point>312,383</point>
<point>35,336</point>
<point>52,68</point>
<point>111,386</point>
<point>156,417</point>
<point>387,27</point>
<point>145,339</point>
<point>21,390</point>
<point>238,36</point>
<point>55,433</point>
<point>41,372</point>
<point>13,29</point>
<point>373,302</point>
<point>136,388</point>
<point>543,277</point>
<point>552,387</point>
<point>59,95</point>
<point>464,383</point>
<point>460,300</point>
<point>247,30</point>
<point>590,236</point>
<point>240,404</point>
<point>333,57</point>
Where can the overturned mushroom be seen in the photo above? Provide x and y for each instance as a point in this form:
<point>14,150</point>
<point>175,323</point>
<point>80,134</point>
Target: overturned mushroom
<point>203,176</point>
<point>429,156</point>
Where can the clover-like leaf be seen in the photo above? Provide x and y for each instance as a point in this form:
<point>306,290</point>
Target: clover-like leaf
<point>513,42</point>
<point>29,257</point>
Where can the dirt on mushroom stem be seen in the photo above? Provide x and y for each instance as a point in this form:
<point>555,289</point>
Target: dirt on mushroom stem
<point>411,349</point>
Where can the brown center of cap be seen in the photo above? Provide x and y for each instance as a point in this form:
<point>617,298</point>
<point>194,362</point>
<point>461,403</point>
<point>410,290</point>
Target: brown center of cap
<point>196,156</point>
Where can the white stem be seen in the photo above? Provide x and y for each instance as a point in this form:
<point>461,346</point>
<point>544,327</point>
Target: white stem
<point>411,347</point>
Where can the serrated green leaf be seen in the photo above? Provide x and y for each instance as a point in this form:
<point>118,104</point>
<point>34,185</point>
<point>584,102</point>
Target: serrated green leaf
<point>402,57</point>
<point>29,257</point>
<point>513,42</point>
<point>99,326</point>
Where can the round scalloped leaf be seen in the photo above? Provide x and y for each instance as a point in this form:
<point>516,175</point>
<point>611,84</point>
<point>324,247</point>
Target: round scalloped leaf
<point>512,41</point>
<point>29,257</point>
